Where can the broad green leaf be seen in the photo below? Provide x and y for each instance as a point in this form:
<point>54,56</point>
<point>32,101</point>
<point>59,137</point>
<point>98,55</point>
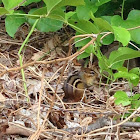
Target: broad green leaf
<point>131,22</point>
<point>135,101</point>
<point>69,15</point>
<point>83,26</point>
<point>122,35</point>
<point>40,11</point>
<point>80,43</point>
<point>9,4</point>
<point>122,98</point>
<point>3,11</point>
<point>101,2</point>
<point>71,3</point>
<point>123,53</point>
<point>107,18</point>
<point>49,25</point>
<point>60,3</point>
<point>117,65</point>
<point>102,24</point>
<point>135,35</point>
<point>131,77</point>
<point>107,8</point>
<point>13,22</point>
<point>134,21</point>
<point>108,39</point>
<point>124,69</point>
<point>124,74</point>
<point>136,96</point>
<point>27,2</point>
<point>51,4</point>
<point>31,19</point>
<point>116,21</point>
<point>90,49</point>
<point>84,11</point>
<point>135,71</point>
<point>83,55</point>
<point>138,118</point>
<point>134,15</point>
<point>57,14</point>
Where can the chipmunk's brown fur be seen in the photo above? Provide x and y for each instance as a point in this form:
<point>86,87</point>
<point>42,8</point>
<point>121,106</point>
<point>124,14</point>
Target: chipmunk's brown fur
<point>76,83</point>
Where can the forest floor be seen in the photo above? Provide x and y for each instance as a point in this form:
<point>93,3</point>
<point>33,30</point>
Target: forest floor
<point>42,114</point>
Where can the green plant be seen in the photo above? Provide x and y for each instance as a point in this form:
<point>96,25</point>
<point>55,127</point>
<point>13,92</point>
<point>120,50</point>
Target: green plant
<point>101,17</point>
<point>125,100</point>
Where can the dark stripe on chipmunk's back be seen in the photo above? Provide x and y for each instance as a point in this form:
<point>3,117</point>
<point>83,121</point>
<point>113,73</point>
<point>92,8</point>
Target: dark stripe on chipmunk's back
<point>68,84</point>
<point>79,84</point>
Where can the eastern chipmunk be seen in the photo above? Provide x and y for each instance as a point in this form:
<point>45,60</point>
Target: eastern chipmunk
<point>76,83</point>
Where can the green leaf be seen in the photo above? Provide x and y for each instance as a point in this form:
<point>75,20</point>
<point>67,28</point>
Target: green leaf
<point>13,22</point>
<point>134,15</point>
<point>103,64</point>
<point>135,101</point>
<point>122,35</point>
<point>9,4</point>
<point>123,53</point>
<point>80,43</point>
<point>107,18</point>
<point>101,2</point>
<point>131,77</point>
<point>51,4</point>
<point>136,96</point>
<point>124,69</point>
<point>71,3</point>
<point>135,71</point>
<point>127,75</point>
<point>83,26</point>
<point>69,15</point>
<point>137,119</point>
<point>108,39</point>
<point>131,22</point>
<point>49,25</point>
<point>83,55</point>
<point>90,49</point>
<point>39,11</point>
<point>57,14</point>
<point>27,2</point>
<point>116,21</point>
<point>102,24</point>
<point>3,11</point>
<point>122,98</point>
<point>84,12</point>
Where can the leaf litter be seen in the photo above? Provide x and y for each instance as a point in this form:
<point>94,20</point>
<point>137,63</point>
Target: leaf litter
<point>21,118</point>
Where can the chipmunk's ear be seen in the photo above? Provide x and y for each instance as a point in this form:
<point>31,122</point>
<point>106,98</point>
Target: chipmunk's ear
<point>83,62</point>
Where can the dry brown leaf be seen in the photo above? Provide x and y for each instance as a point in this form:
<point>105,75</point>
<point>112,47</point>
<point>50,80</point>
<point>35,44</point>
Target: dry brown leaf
<point>37,55</point>
<point>48,45</point>
<point>86,121</point>
<point>2,98</point>
<point>135,136</point>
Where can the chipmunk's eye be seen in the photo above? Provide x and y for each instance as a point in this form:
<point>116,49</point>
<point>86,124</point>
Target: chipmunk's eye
<point>92,72</point>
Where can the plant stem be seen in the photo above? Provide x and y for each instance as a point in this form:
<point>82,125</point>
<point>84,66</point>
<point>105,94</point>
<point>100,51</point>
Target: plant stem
<point>122,9</point>
<point>20,58</point>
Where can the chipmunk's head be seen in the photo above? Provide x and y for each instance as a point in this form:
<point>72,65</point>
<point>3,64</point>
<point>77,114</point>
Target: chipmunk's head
<point>88,76</point>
